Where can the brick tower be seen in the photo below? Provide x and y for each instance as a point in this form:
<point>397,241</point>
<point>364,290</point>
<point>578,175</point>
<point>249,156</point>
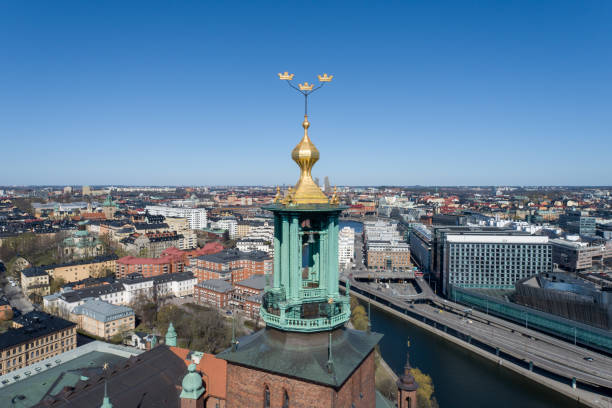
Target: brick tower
<point>407,388</point>
<point>305,357</point>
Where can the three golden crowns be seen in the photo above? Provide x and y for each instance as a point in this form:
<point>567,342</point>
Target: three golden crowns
<point>305,86</point>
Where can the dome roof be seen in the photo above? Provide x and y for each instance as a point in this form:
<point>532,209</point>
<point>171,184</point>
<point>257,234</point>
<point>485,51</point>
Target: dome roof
<point>192,384</point>
<point>305,154</point>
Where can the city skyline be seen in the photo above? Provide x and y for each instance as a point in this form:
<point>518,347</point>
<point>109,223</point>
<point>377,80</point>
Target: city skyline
<point>422,94</point>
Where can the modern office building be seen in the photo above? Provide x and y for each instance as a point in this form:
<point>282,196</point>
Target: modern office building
<point>420,240</point>
<point>196,216</point>
<point>577,222</point>
<point>473,259</point>
<point>579,255</point>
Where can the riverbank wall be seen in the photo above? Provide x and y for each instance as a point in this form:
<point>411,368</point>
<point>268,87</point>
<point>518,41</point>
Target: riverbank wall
<point>582,396</point>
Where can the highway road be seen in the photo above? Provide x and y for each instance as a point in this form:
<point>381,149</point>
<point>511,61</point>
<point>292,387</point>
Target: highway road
<point>546,352</point>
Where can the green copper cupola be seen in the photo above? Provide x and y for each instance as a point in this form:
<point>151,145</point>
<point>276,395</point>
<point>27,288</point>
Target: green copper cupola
<point>171,336</point>
<point>303,295</point>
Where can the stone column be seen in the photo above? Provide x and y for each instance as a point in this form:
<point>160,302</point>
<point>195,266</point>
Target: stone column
<point>277,250</point>
<point>295,263</point>
<point>284,261</point>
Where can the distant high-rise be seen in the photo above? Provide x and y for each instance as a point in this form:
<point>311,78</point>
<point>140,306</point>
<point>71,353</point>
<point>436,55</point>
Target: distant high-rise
<point>327,186</point>
<point>86,191</point>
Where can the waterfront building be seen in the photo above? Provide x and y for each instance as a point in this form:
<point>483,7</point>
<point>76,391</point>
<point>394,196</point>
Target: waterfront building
<point>36,336</point>
<point>478,259</point>
<point>388,255</point>
<point>103,319</point>
<point>197,217</point>
<point>579,255</point>
<point>34,280</point>
<point>346,247</point>
<point>420,240</point>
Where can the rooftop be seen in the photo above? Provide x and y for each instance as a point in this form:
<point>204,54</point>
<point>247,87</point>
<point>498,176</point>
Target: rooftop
<point>218,285</point>
<point>304,355</point>
<point>35,324</point>
<point>230,255</point>
<point>102,311</point>
<point>34,271</point>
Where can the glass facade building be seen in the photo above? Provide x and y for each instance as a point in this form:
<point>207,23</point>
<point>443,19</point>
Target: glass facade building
<point>493,261</point>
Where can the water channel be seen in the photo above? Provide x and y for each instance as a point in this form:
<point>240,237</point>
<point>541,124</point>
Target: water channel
<point>461,379</point>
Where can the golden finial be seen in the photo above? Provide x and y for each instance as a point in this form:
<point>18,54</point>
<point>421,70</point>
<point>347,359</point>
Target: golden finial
<point>278,197</point>
<point>305,154</point>
<point>286,76</point>
<point>105,366</point>
<point>334,198</point>
<point>306,86</point>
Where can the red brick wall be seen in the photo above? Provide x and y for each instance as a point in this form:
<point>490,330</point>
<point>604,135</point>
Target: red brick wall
<point>245,388</point>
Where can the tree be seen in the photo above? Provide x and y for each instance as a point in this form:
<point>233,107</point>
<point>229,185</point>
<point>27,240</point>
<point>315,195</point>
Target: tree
<point>425,398</point>
<point>56,284</point>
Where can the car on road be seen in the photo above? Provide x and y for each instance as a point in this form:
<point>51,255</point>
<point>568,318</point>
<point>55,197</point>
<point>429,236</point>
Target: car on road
<point>588,358</point>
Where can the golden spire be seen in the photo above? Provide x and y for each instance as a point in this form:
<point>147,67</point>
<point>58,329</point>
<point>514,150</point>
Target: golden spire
<point>305,154</point>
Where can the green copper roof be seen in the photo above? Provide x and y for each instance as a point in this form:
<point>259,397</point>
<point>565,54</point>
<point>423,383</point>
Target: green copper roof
<point>192,384</point>
<point>304,355</point>
<point>171,336</point>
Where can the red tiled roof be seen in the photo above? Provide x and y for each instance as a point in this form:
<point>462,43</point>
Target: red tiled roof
<point>213,370</point>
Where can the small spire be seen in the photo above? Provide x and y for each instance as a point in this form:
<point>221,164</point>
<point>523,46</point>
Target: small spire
<point>330,359</point>
<point>369,320</point>
<point>234,341</point>
<point>106,401</point>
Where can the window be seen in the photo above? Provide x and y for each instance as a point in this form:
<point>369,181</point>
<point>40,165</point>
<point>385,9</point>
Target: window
<point>285,399</point>
<point>266,397</point>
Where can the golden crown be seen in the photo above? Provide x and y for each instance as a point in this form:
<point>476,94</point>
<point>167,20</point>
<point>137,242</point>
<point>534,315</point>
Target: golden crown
<point>286,76</point>
<point>325,78</point>
<point>306,86</point>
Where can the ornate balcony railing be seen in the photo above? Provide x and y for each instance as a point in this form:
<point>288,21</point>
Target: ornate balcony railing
<point>304,325</point>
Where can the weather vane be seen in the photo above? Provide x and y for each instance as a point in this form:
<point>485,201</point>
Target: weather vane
<point>305,89</point>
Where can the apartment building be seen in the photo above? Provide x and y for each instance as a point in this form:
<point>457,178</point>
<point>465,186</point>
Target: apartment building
<point>196,216</point>
<point>35,280</point>
<point>232,265</point>
<point>103,319</point>
<point>36,336</point>
<point>79,270</point>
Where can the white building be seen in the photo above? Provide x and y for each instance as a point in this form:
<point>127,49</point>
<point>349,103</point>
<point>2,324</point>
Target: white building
<point>228,224</point>
<point>196,216</point>
<point>381,231</point>
<point>346,247</point>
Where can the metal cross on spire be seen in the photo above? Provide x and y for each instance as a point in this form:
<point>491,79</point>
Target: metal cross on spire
<point>305,89</point>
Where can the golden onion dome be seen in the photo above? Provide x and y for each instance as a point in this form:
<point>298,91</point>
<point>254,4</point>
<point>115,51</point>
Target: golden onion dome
<point>305,154</point>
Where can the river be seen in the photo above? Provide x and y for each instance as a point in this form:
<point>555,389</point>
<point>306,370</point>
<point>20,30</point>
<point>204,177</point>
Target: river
<point>461,379</point>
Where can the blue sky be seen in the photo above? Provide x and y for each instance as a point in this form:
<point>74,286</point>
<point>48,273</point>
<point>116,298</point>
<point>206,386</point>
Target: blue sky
<point>430,93</point>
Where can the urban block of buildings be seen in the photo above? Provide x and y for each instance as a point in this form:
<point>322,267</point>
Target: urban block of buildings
<point>35,337</point>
